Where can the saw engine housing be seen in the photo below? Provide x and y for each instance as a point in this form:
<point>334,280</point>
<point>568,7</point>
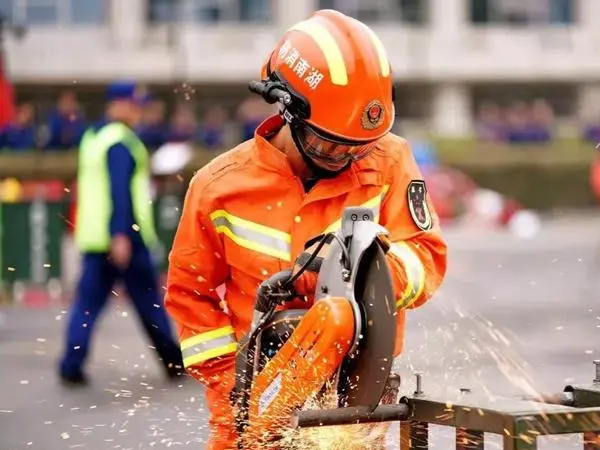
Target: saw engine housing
<point>347,336</point>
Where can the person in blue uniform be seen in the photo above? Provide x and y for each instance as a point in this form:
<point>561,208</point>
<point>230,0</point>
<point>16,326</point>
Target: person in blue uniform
<point>114,230</point>
<point>66,124</point>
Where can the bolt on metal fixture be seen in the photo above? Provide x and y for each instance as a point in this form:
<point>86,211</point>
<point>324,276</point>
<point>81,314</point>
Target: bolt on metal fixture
<point>419,389</point>
<point>597,364</point>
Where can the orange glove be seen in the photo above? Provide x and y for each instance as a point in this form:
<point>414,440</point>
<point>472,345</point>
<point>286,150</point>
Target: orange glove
<point>306,284</point>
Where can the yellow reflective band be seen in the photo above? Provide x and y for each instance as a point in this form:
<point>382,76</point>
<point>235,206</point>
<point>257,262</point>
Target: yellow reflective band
<point>330,49</point>
<point>209,345</point>
<point>253,236</point>
<point>374,204</point>
<point>415,274</point>
<point>209,354</point>
<point>381,53</point>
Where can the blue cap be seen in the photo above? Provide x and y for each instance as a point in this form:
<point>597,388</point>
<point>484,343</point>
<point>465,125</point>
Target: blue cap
<point>126,90</point>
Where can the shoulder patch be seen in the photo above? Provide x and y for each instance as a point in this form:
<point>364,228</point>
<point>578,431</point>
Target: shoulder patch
<point>417,204</point>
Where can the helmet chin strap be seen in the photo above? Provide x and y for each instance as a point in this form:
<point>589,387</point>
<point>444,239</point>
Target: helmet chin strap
<point>318,171</point>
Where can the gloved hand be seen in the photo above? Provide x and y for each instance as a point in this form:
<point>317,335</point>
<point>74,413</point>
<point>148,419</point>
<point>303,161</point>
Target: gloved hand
<point>306,284</point>
<point>274,289</point>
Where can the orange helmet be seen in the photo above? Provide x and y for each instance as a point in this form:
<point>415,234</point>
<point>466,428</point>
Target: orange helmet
<point>340,84</point>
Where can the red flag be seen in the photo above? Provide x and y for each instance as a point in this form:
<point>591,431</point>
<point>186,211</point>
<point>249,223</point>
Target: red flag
<point>7,99</point>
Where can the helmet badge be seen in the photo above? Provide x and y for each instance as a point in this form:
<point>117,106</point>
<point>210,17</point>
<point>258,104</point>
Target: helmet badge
<point>373,115</point>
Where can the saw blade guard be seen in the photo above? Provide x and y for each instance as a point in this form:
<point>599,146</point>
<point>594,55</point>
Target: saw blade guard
<point>358,271</point>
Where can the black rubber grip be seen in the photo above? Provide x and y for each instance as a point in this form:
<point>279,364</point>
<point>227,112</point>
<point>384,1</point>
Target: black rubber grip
<point>315,264</point>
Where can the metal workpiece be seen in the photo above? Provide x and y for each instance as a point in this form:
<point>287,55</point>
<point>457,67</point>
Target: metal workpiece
<point>563,398</point>
<point>586,395</point>
<point>349,416</point>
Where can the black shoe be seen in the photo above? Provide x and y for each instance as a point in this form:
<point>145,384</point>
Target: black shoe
<point>74,380</point>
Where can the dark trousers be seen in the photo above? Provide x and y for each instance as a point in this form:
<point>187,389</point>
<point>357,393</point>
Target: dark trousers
<point>97,280</point>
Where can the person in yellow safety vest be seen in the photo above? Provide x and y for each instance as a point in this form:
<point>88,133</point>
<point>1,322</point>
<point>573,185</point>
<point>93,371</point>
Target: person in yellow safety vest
<point>115,232</point>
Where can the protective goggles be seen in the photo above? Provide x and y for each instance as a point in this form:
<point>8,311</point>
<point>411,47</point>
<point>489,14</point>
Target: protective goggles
<point>330,149</point>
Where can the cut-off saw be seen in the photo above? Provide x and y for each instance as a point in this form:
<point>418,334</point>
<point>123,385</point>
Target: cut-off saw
<point>344,341</point>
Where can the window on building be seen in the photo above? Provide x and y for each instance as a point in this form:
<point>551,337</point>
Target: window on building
<point>523,12</point>
<point>407,11</point>
<point>162,10</point>
<point>211,11</point>
<point>6,10</point>
<point>88,11</point>
<point>413,101</point>
<point>41,12</point>
<point>232,10</point>
<point>53,12</point>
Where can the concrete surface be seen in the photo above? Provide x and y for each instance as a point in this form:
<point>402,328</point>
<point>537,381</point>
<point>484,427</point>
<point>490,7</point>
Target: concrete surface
<point>513,317</point>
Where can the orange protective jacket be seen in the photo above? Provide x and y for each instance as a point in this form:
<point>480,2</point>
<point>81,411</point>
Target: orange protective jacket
<point>246,216</point>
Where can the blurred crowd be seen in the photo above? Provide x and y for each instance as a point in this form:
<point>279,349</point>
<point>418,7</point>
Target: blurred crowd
<point>524,123</point>
<point>63,128</point>
<point>217,128</point>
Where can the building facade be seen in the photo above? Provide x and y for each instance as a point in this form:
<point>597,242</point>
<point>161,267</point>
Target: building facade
<point>447,49</point>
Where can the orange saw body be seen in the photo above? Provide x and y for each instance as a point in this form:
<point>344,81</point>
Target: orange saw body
<point>310,357</point>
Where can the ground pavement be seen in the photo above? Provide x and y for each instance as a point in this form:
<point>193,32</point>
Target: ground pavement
<point>513,317</point>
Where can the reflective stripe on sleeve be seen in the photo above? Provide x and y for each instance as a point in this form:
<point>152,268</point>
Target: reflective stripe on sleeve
<point>253,236</point>
<point>374,204</point>
<point>205,346</point>
<point>415,274</point>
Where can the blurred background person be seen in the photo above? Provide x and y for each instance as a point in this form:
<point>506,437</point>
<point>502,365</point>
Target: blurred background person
<point>542,121</point>
<point>153,127</point>
<point>66,123</point>
<point>250,114</point>
<point>518,120</point>
<point>114,230</point>
<point>183,126</point>
<point>20,134</point>
<point>591,131</point>
<point>489,123</point>
<point>530,123</point>
<point>214,128</point>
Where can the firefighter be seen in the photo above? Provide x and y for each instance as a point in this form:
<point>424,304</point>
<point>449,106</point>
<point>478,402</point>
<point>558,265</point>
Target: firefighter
<point>114,229</point>
<point>248,214</point>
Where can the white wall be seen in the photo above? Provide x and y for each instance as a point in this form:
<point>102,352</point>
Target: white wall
<point>448,52</point>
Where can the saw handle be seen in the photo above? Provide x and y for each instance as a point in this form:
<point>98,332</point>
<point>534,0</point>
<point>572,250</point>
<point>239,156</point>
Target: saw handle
<point>279,288</point>
<point>274,290</point>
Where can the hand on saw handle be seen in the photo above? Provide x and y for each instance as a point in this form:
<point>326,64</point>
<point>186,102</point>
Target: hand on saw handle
<point>308,264</point>
<point>301,281</point>
<point>274,291</point>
